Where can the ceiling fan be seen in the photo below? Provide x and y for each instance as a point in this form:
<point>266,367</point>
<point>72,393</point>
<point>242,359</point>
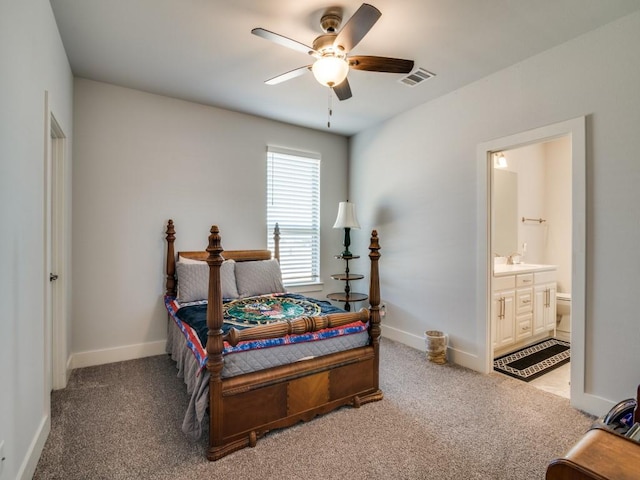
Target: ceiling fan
<point>331,50</point>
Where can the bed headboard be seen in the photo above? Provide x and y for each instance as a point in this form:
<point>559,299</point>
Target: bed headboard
<point>237,255</point>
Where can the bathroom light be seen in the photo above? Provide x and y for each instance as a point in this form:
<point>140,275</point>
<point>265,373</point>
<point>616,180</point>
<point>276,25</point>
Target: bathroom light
<point>346,219</point>
<point>330,71</point>
<point>499,160</point>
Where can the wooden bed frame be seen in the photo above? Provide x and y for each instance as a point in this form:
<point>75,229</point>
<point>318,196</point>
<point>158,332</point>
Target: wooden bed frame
<point>245,407</point>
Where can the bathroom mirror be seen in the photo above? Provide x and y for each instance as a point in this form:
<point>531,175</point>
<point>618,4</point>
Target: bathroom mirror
<point>505,212</point>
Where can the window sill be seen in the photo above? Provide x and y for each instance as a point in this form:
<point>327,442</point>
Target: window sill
<point>305,287</point>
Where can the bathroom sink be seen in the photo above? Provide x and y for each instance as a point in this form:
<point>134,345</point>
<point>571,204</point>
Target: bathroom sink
<point>505,269</point>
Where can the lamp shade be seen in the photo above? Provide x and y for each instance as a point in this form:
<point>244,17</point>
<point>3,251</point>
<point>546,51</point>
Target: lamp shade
<point>346,216</point>
<point>330,71</point>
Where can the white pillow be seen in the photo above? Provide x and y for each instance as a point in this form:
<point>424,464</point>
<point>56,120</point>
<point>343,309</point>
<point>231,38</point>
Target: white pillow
<point>259,277</point>
<point>193,280</point>
<point>190,260</point>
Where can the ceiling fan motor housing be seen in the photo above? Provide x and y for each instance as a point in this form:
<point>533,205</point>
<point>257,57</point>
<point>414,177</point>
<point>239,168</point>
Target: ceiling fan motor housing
<point>330,22</point>
<point>324,44</point>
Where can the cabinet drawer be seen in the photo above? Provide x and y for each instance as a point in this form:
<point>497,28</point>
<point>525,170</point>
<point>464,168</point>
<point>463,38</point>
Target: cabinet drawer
<point>524,324</point>
<point>524,300</point>
<point>524,280</point>
<point>545,277</point>
<point>504,283</point>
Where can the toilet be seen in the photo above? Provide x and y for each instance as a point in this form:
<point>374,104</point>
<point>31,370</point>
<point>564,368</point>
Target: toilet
<point>563,313</point>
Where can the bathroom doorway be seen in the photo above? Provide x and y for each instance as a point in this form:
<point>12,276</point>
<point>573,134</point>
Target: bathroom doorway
<point>531,225</point>
<point>575,133</point>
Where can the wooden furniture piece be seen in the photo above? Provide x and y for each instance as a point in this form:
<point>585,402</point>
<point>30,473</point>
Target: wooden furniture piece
<point>600,454</point>
<point>347,296</point>
<point>245,407</point>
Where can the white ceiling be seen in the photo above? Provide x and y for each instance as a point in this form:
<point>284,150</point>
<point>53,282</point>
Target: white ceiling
<point>203,51</point>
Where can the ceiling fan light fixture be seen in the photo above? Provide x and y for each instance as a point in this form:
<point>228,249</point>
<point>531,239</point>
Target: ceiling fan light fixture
<point>330,71</point>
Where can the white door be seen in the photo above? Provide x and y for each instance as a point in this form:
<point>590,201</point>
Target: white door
<point>55,336</point>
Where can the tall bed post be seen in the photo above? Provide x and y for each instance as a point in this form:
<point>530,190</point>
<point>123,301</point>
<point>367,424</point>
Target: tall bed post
<point>374,302</point>
<point>171,260</point>
<point>214,342</point>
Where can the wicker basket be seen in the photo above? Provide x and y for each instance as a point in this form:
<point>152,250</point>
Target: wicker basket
<point>436,342</point>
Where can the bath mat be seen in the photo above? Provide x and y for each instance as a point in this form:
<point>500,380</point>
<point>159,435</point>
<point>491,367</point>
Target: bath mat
<point>534,360</point>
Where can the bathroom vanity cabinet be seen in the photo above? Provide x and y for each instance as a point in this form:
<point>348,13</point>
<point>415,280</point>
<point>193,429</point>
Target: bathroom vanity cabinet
<point>524,305</point>
<point>545,302</point>
<point>503,331</point>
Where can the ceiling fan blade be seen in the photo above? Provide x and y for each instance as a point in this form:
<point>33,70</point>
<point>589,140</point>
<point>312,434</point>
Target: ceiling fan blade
<point>289,75</point>
<point>380,64</point>
<point>343,91</point>
<point>357,27</point>
<point>284,41</point>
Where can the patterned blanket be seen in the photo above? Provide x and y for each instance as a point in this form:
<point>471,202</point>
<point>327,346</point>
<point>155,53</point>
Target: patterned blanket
<point>247,312</point>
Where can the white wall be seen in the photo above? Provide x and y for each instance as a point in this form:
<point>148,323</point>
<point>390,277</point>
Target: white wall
<point>415,179</point>
<point>33,60</point>
<point>141,159</point>
<point>557,155</point>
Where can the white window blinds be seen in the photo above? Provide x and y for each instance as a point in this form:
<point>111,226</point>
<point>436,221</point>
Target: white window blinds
<point>293,202</point>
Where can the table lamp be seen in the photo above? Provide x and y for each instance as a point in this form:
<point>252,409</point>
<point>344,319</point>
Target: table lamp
<point>346,219</point>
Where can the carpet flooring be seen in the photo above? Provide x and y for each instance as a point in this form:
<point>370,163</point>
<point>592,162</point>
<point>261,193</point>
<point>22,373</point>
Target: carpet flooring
<point>535,360</point>
<point>122,421</point>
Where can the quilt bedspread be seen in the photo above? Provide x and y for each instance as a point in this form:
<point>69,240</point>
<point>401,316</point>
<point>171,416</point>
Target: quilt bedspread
<point>247,312</point>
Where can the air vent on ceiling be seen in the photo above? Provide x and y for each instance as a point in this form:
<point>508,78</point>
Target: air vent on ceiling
<point>416,77</point>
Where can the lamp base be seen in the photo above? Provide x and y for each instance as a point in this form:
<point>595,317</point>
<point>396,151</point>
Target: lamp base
<point>346,242</point>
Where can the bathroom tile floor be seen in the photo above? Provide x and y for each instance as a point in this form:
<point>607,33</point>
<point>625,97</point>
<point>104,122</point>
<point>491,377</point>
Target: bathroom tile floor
<point>556,381</point>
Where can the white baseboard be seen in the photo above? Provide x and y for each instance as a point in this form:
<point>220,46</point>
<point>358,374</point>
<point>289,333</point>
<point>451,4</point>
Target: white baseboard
<point>590,403</point>
<point>68,370</point>
<point>465,359</point>
<point>117,354</point>
<point>28,467</point>
<point>61,379</point>
<point>456,356</point>
<point>406,338</point>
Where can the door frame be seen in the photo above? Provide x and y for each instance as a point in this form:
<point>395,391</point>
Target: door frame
<point>576,130</point>
<point>56,370</point>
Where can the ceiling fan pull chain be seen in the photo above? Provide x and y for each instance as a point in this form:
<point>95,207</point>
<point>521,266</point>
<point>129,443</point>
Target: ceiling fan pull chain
<point>330,107</point>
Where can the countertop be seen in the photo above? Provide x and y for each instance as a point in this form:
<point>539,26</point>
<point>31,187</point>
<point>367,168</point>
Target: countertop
<point>503,269</point>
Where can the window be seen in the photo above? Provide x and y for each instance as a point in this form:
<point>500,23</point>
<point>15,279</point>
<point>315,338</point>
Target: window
<point>293,202</point>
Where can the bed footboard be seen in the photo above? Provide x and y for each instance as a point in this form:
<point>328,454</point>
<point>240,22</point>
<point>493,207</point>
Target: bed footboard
<point>256,403</point>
